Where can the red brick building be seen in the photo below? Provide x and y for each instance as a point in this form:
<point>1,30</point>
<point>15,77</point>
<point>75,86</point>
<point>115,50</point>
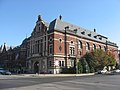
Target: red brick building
<point>59,44</point>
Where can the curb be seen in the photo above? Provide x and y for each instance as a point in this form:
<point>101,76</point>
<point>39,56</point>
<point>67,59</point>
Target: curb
<point>54,75</point>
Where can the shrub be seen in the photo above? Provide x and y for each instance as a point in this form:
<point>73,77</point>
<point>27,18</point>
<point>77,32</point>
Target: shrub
<point>70,70</point>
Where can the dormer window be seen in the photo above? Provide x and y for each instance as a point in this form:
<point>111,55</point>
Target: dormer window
<point>95,36</point>
<point>83,32</point>
<point>89,35</point>
<point>100,38</point>
<point>75,30</point>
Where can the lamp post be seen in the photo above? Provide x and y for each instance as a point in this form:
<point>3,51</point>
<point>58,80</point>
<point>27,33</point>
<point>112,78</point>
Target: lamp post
<point>76,55</point>
<point>76,65</point>
<point>106,46</point>
<point>66,28</point>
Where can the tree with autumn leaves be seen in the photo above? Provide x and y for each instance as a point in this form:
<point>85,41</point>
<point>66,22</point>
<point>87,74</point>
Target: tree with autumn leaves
<point>98,59</point>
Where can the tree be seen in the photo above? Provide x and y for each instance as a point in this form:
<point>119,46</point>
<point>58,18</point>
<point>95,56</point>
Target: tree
<point>111,59</point>
<point>98,59</point>
<point>85,66</point>
<point>80,68</point>
<point>89,59</point>
<point>117,66</point>
<point>95,60</point>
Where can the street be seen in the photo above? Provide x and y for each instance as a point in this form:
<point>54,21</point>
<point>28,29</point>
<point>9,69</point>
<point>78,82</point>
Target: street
<point>96,82</point>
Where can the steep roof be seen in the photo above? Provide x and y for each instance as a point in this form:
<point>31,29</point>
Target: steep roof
<point>0,48</point>
<point>60,25</point>
<point>4,48</point>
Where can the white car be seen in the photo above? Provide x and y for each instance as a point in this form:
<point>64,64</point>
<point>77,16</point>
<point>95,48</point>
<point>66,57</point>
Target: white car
<point>117,71</point>
<point>102,71</point>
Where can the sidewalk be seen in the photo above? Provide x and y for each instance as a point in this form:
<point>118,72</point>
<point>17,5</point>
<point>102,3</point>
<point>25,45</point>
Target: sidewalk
<point>54,75</point>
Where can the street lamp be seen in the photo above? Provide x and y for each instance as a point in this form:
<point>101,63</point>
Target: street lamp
<point>66,28</point>
<point>76,65</point>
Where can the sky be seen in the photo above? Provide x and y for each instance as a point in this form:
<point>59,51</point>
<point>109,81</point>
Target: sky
<point>18,17</point>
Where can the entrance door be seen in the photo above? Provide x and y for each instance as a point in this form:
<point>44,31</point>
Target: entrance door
<point>36,67</point>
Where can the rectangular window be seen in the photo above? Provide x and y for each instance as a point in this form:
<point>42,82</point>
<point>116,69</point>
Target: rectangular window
<point>38,46</point>
<point>50,63</point>
<point>45,48</point>
<point>63,63</point>
<point>50,49</point>
<point>72,63</point>
<point>41,47</point>
<point>72,51</point>
<point>33,49</point>
<point>60,63</point>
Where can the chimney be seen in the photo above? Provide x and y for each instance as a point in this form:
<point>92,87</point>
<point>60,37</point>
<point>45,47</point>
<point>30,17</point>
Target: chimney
<point>60,17</point>
<point>39,18</point>
<point>94,30</point>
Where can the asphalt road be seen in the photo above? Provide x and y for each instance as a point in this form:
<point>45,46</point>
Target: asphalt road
<point>97,82</point>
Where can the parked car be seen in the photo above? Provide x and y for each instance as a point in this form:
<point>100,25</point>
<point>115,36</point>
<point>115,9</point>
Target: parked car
<point>116,71</point>
<point>4,71</point>
<point>102,71</point>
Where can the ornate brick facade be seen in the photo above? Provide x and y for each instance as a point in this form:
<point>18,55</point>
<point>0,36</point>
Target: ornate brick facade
<point>59,44</point>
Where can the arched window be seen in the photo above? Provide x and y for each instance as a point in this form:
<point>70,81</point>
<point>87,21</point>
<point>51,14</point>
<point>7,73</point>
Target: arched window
<point>94,47</point>
<point>104,48</point>
<point>79,44</point>
<point>87,46</point>
<point>99,47</point>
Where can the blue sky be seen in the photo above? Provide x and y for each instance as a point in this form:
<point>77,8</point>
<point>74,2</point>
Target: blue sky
<point>18,17</point>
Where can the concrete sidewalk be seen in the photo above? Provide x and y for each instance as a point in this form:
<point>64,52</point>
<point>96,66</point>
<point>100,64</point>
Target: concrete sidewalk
<point>3,77</point>
<point>53,75</point>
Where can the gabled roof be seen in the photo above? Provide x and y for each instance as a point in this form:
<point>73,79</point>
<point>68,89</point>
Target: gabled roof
<point>4,48</point>
<point>41,20</point>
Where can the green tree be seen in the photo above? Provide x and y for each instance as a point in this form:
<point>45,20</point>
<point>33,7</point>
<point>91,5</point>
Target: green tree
<point>85,65</point>
<point>89,59</point>
<point>99,59</point>
<point>80,68</point>
<point>117,66</point>
<point>96,60</point>
<point>111,59</point>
